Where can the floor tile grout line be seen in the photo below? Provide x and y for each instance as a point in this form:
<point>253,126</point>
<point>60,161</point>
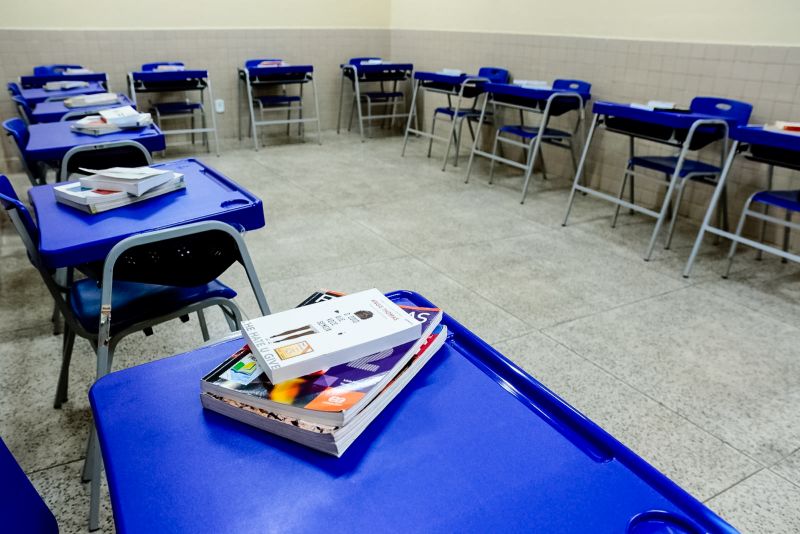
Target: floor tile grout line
<point>61,464</point>
<point>751,475</point>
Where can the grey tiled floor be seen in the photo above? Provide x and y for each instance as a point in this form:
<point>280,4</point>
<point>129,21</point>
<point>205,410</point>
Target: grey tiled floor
<point>700,377</point>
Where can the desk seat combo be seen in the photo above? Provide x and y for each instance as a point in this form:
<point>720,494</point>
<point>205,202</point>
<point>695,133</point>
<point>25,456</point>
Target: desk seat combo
<point>773,149</point>
<point>32,87</point>
<point>376,83</point>
<point>173,78</point>
<point>263,85</point>
<point>466,89</point>
<point>473,444</point>
<point>55,110</point>
<point>707,120</point>
<point>562,97</point>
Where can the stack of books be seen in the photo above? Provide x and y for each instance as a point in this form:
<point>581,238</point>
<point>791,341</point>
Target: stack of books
<point>112,120</point>
<point>169,68</point>
<point>61,86</point>
<point>97,99</point>
<point>362,350</point>
<point>111,188</point>
<point>273,63</point>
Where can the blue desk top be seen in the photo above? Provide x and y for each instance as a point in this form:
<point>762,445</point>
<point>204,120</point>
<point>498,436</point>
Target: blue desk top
<point>71,237</point>
<point>39,81</point>
<point>38,94</point>
<point>535,94</point>
<point>472,444</point>
<point>438,77</point>
<point>52,140</point>
<point>169,75</point>
<point>671,119</point>
<point>21,507</point>
<point>279,73</point>
<point>757,135</point>
<point>53,111</point>
<point>380,67</point>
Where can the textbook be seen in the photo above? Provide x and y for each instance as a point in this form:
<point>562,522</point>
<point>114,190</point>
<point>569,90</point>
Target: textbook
<point>98,99</point>
<point>784,127</point>
<point>112,120</point>
<point>169,68</point>
<point>79,70</point>
<point>98,200</point>
<point>304,340</point>
<point>533,84</point>
<point>324,438</point>
<point>329,397</point>
<point>134,180</point>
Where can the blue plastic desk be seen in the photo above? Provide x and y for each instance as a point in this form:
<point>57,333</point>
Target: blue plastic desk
<point>529,97</point>
<point>36,95</point>
<point>22,510</point>
<point>41,80</point>
<point>53,111</point>
<point>772,148</point>
<point>71,237</point>
<point>473,444</point>
<point>52,140</point>
<point>161,77</point>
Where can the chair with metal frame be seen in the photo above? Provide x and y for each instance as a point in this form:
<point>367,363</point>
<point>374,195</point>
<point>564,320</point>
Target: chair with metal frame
<point>278,102</point>
<point>102,156</point>
<point>24,110</point>
<point>173,271</point>
<point>690,170</point>
<point>18,130</point>
<point>14,89</point>
<point>566,96</point>
<point>387,95</point>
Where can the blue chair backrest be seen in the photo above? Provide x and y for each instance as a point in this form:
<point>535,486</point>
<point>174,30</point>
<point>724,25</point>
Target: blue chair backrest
<point>22,105</point>
<point>734,110</point>
<point>21,507</point>
<point>19,131</point>
<point>579,86</point>
<point>494,74</point>
<point>253,63</point>
<point>10,201</point>
<point>13,89</point>
<point>50,70</point>
<point>149,67</point>
<point>360,60</point>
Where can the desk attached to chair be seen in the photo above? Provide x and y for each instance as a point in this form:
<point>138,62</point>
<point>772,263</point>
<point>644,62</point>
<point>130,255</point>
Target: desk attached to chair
<point>472,444</point>
<point>774,149</point>
<point>562,97</point>
<point>70,237</point>
<point>708,120</point>
<point>54,111</point>
<point>37,95</point>
<point>51,141</point>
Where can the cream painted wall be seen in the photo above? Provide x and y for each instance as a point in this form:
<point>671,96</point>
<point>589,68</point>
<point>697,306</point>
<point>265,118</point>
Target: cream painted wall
<point>158,14</point>
<point>721,21</point>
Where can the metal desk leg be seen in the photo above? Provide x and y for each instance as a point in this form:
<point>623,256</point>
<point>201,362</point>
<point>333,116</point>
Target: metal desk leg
<point>665,205</point>
<point>341,102</point>
<point>316,112</point>
<point>476,141</point>
<point>412,113</point>
<point>537,145</point>
<point>249,89</point>
<point>711,207</point>
<point>581,165</point>
<point>763,233</point>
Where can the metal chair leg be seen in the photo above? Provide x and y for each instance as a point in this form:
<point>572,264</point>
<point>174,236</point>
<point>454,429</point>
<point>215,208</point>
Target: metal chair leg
<point>201,318</point>
<point>734,244</point>
<point>621,194</point>
<point>786,235</point>
<point>433,131</point>
<point>66,357</point>
<point>675,211</point>
<point>494,155</point>
<point>94,484</point>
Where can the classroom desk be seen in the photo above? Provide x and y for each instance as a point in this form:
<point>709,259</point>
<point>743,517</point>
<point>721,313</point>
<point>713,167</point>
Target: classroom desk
<point>51,141</point>
<point>472,444</point>
<point>70,237</point>
<point>21,507</point>
<point>774,149</point>
<point>462,86</point>
<point>661,126</point>
<point>178,81</point>
<point>279,76</point>
<point>53,111</point>
<point>364,73</point>
<point>36,95</point>
<point>532,100</point>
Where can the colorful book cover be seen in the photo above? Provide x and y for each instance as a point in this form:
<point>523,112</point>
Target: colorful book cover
<point>336,390</point>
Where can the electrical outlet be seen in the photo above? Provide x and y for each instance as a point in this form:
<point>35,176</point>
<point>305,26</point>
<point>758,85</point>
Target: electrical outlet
<point>219,105</point>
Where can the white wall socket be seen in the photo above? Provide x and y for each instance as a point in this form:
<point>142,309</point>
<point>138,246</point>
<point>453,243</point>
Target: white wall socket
<point>219,105</point>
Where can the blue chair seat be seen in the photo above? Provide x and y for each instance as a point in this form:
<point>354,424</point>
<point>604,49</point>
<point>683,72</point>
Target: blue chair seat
<point>133,302</point>
<point>461,112</point>
<point>788,200</point>
<point>667,164</point>
<point>382,95</point>
<point>529,132</point>
<point>276,100</point>
<point>175,108</point>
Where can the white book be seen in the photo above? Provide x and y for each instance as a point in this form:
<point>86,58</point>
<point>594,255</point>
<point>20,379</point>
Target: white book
<point>534,84</point>
<point>169,68</point>
<point>125,117</point>
<point>60,86</point>
<point>135,181</point>
<point>303,340</point>
<point>78,71</point>
<point>75,195</point>
<point>98,99</point>
<point>451,72</point>
<point>372,62</point>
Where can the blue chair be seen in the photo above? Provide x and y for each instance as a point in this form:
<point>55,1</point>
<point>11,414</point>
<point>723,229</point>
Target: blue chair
<point>24,110</point>
<point>734,113</point>
<point>18,130</point>
<point>386,95</point>
<point>532,137</point>
<point>53,70</point>
<point>21,507</point>
<point>14,89</point>
<point>147,279</point>
<point>456,113</point>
